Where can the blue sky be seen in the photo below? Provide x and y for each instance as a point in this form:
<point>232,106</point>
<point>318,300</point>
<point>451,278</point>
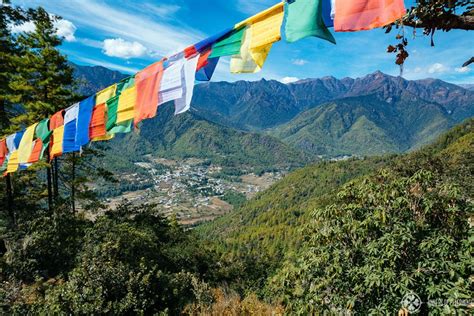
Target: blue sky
<point>128,35</point>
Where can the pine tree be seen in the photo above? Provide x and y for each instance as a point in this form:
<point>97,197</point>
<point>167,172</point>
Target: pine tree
<point>42,80</point>
<point>8,48</point>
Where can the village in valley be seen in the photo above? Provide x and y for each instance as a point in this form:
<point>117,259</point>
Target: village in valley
<point>193,190</point>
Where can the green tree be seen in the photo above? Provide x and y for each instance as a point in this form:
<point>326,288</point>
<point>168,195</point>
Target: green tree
<point>8,48</point>
<point>386,235</point>
<point>41,82</point>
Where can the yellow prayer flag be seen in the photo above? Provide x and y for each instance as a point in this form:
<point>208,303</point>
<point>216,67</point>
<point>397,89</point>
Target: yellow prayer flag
<point>13,162</point>
<point>58,136</point>
<point>26,144</point>
<point>126,105</point>
<point>104,95</point>
<point>263,29</point>
<point>244,62</point>
<point>261,15</point>
<point>266,29</point>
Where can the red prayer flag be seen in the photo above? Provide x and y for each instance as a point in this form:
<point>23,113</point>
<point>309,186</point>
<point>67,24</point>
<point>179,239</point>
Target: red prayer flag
<point>147,83</point>
<point>190,51</point>
<point>3,151</point>
<point>203,59</point>
<point>356,15</point>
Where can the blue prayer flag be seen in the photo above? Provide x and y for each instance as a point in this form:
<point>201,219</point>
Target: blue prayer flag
<point>83,121</point>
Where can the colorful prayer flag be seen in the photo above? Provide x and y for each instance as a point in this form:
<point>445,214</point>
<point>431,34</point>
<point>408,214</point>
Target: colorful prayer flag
<point>329,11</point>
<point>3,151</point>
<point>304,18</point>
<point>357,15</point>
<point>262,31</point>
<point>41,143</point>
<point>147,84</point>
<point>12,147</point>
<point>97,129</point>
<point>188,74</point>
<point>171,87</point>
<point>56,125</point>
<point>13,162</point>
<point>229,45</point>
<point>209,42</point>
<point>70,129</point>
<point>83,121</point>
<point>206,66</point>
<point>113,108</point>
<point>245,61</point>
<point>99,115</point>
<point>26,145</point>
<point>126,104</point>
<point>17,138</point>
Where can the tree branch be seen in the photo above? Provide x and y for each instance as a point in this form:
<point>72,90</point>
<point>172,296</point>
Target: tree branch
<point>459,22</point>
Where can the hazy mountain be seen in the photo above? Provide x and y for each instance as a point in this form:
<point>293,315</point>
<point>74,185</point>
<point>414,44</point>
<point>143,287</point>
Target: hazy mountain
<point>467,86</point>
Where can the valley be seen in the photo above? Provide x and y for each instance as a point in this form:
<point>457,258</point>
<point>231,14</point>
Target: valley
<point>192,190</point>
<point>239,138</point>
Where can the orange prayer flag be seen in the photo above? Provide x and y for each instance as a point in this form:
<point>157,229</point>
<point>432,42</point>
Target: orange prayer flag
<point>147,83</point>
<point>56,124</point>
<point>56,120</point>
<point>356,15</point>
<point>97,125</point>
<point>36,152</point>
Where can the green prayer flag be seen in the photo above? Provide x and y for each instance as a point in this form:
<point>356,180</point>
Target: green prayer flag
<point>112,106</point>
<point>43,133</point>
<point>304,18</point>
<point>228,46</point>
<point>124,127</point>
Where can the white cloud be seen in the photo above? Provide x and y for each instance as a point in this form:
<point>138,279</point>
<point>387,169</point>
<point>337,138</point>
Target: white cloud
<point>118,47</point>
<point>299,62</point>
<point>463,70</point>
<point>65,29</point>
<point>115,21</point>
<point>418,70</point>
<point>437,68</point>
<point>287,80</point>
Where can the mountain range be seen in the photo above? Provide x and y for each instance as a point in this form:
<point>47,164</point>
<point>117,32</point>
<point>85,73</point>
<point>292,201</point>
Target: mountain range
<point>328,117</point>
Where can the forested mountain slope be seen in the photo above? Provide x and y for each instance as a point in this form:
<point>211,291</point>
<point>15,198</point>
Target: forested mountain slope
<point>188,135</point>
<point>287,220</point>
<point>366,125</point>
